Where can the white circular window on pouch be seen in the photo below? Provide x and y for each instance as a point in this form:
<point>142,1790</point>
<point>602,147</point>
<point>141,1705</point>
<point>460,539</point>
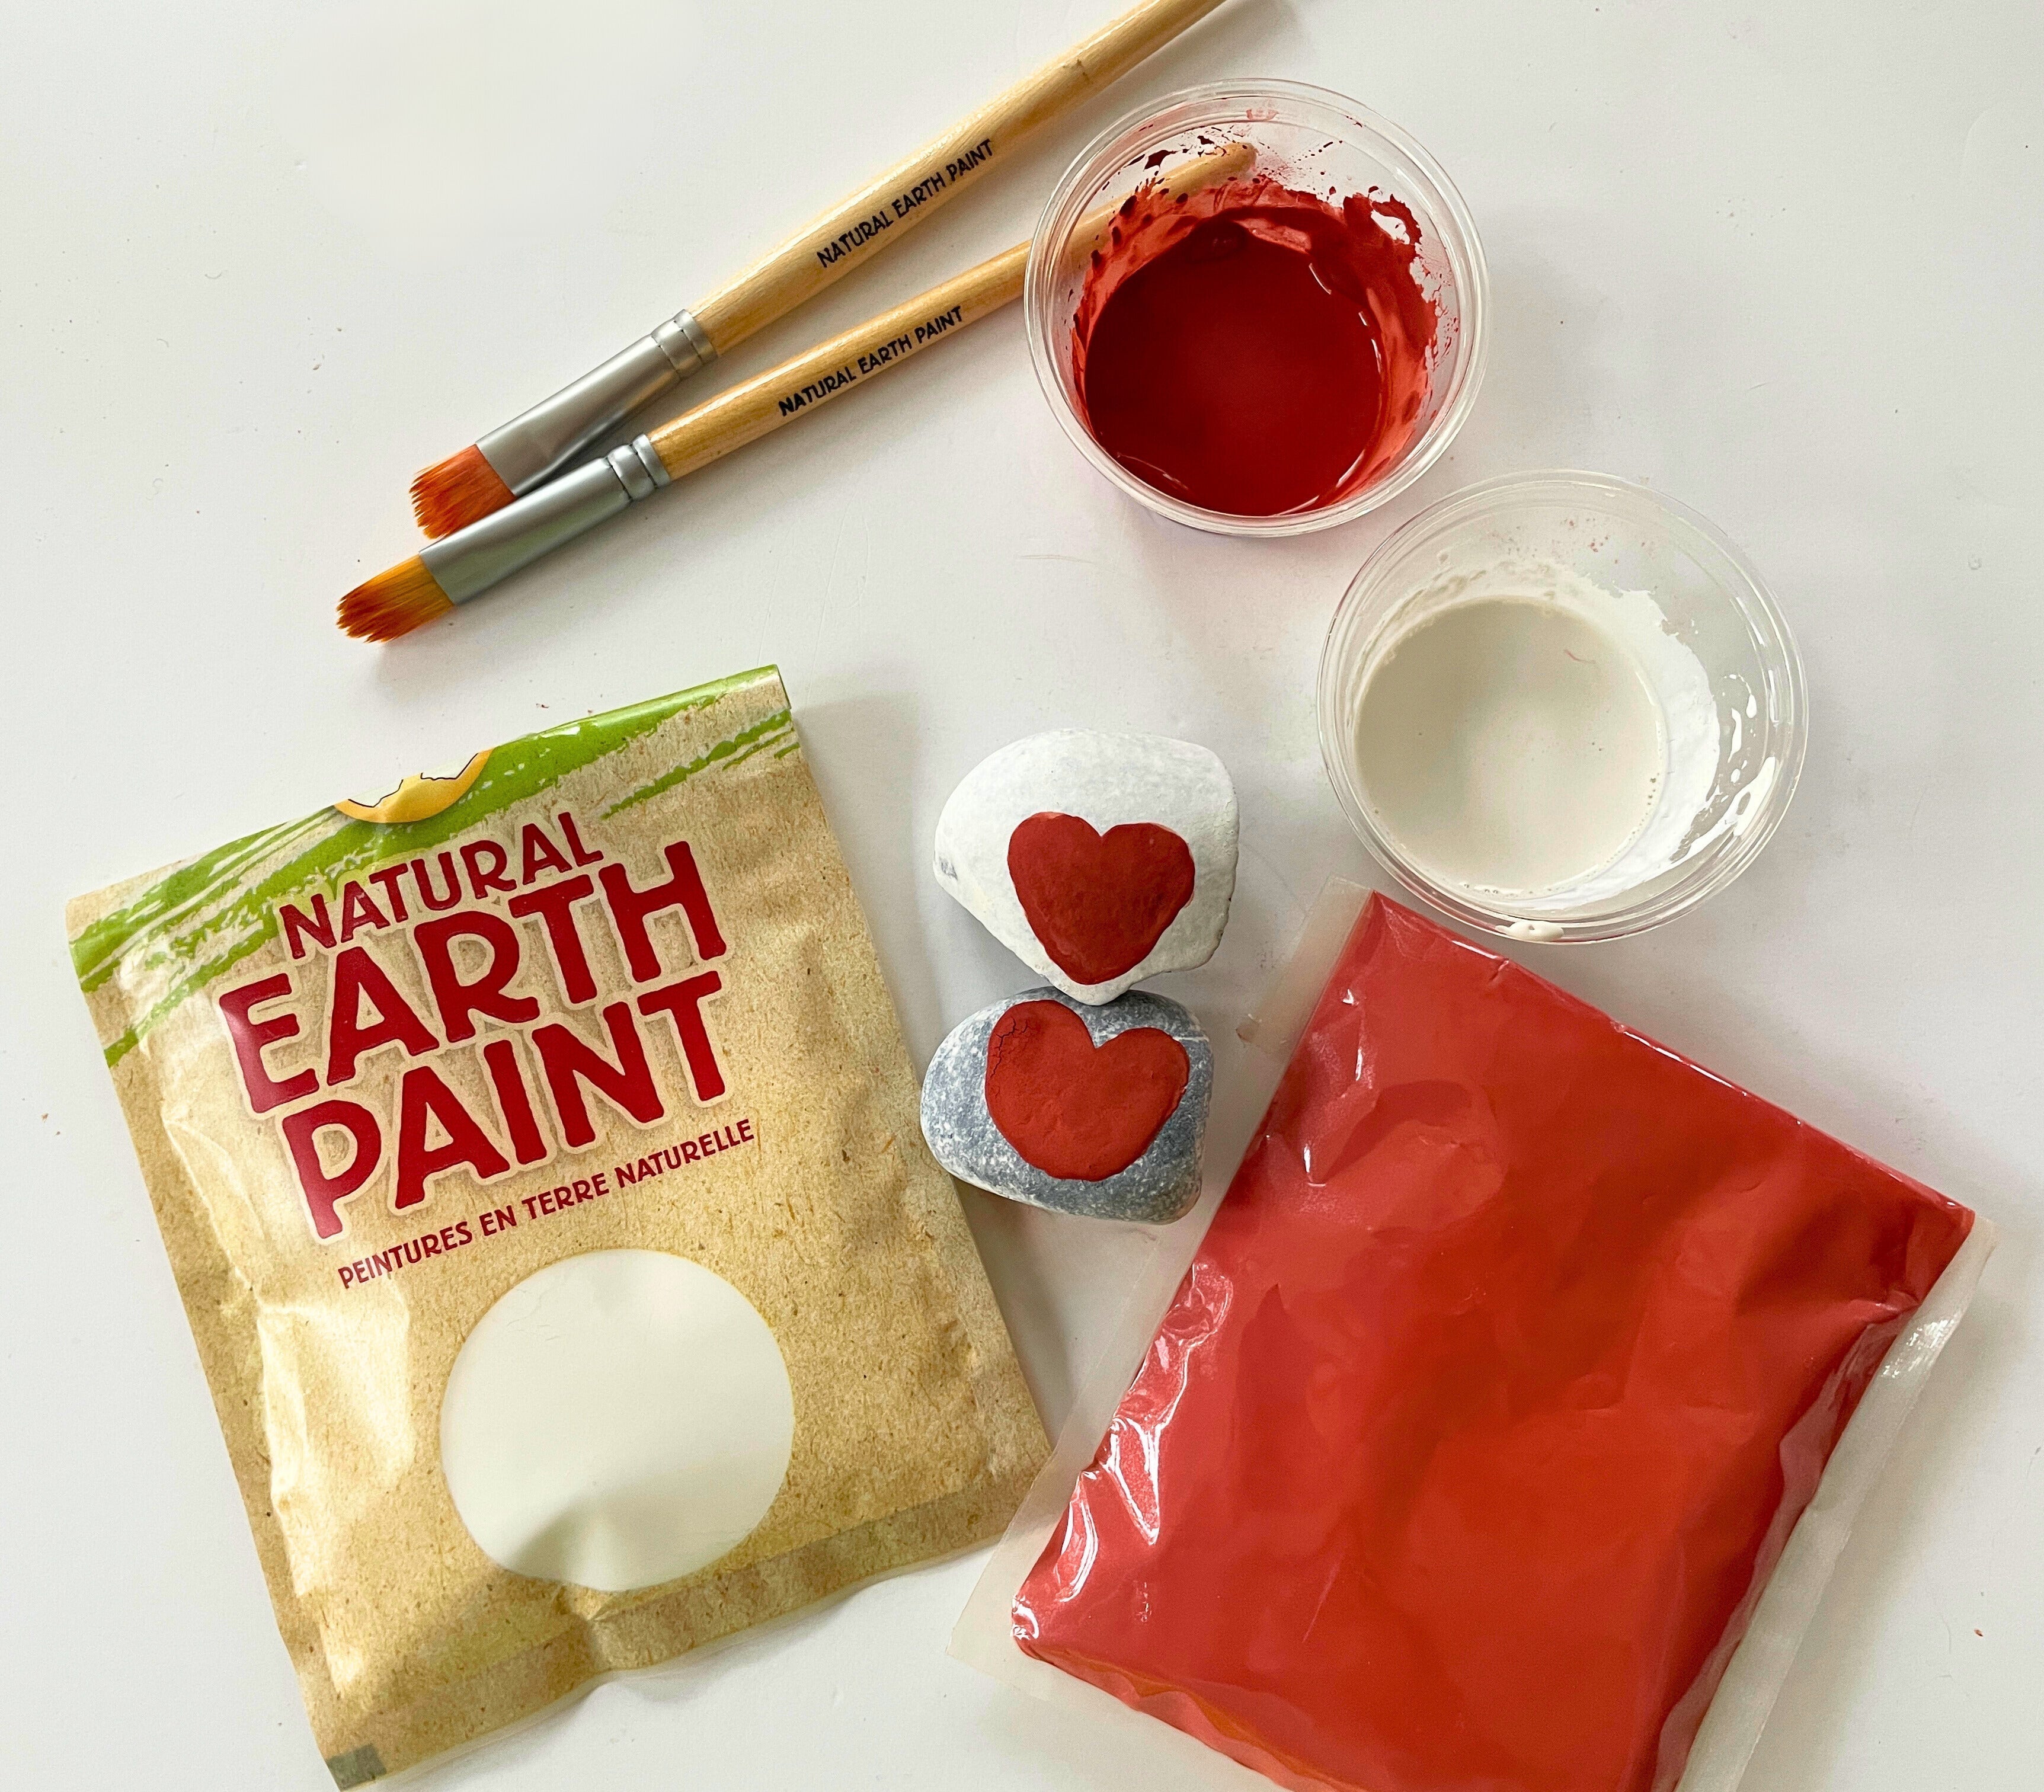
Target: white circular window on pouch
<point>617,1420</point>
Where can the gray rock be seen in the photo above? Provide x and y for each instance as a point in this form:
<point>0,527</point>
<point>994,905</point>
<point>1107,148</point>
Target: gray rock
<point>1119,797</point>
<point>1049,1081</point>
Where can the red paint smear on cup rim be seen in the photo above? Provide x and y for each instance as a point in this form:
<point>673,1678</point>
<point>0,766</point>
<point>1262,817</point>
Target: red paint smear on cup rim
<point>1255,349</point>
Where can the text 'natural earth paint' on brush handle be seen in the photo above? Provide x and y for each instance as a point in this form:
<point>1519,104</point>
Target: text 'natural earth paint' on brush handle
<point>518,455</point>
<point>747,412</point>
<point>859,224</point>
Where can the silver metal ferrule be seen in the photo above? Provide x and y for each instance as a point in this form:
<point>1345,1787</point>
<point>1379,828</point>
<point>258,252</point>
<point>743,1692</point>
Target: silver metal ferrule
<point>468,562</point>
<point>528,448</point>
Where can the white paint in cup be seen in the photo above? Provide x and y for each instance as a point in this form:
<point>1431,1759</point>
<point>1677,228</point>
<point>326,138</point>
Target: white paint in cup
<point>1527,732</point>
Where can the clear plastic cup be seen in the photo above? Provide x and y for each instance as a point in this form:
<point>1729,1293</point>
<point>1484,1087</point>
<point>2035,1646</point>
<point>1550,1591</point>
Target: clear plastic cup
<point>1624,538</point>
<point>1315,140</point>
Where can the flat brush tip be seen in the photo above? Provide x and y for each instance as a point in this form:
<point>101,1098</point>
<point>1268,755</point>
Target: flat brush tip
<point>461,489</point>
<point>394,603</point>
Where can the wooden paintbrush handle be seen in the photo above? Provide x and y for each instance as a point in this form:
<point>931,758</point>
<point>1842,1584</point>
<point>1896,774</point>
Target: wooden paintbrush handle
<point>796,387</point>
<point>856,227</point>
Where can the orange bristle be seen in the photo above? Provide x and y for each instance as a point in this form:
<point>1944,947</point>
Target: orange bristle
<point>463,490</point>
<point>394,603</point>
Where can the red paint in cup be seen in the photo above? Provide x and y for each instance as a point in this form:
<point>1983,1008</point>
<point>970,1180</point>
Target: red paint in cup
<point>1276,352</point>
<point>1255,349</point>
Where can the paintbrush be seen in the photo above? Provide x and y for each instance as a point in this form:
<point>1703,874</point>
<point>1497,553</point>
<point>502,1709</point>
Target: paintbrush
<point>468,562</point>
<point>512,460</point>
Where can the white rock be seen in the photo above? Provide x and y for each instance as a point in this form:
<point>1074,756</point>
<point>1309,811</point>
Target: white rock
<point>1105,833</point>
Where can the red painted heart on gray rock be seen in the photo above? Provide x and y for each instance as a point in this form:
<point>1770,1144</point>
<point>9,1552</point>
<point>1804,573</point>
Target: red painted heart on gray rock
<point>1075,1110</point>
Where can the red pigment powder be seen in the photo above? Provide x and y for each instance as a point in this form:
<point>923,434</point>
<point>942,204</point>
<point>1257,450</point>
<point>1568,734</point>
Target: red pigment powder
<point>1098,902</point>
<point>1253,349</point>
<point>1479,1423</point>
<point>1071,1108</point>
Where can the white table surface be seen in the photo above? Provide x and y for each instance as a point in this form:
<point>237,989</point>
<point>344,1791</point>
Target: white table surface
<point>262,261</point>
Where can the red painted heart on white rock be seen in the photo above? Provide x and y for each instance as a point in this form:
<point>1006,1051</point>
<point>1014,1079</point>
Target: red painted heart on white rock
<point>1097,859</point>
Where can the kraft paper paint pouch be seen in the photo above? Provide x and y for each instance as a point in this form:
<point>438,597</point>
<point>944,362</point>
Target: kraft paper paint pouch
<point>1508,1418</point>
<point>537,1153</point>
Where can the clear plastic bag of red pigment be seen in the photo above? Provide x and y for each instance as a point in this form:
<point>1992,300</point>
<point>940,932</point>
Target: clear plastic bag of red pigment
<point>1496,1438</point>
